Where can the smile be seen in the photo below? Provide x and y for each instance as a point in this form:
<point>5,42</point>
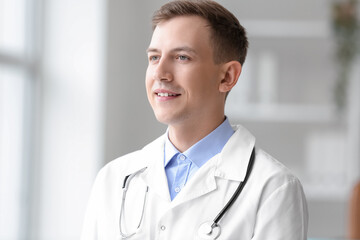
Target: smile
<point>167,94</point>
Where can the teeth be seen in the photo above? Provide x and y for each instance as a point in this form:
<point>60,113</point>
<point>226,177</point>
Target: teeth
<point>165,94</point>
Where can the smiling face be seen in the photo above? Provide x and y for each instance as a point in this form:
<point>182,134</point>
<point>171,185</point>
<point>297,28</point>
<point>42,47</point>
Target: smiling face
<point>182,80</point>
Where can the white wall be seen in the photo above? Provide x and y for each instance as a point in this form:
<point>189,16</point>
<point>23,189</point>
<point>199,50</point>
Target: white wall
<point>130,123</point>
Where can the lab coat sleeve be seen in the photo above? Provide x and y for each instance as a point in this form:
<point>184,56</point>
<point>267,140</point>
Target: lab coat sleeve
<point>283,215</point>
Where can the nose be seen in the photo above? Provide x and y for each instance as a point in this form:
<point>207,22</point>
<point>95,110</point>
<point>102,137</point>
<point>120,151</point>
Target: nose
<point>162,71</point>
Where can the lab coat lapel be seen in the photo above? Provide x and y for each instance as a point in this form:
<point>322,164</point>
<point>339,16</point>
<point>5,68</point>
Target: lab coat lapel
<point>155,176</point>
<point>230,164</point>
<point>235,156</point>
<point>200,184</point>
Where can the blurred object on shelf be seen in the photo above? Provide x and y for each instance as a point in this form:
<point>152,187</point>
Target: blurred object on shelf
<point>345,27</point>
<point>354,215</point>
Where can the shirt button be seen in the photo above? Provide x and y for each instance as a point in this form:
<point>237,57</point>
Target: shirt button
<point>177,189</point>
<point>182,157</point>
<point>162,228</point>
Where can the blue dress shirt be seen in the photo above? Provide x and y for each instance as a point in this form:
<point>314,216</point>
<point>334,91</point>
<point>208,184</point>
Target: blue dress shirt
<point>180,167</point>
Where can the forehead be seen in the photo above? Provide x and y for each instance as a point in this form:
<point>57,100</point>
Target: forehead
<point>193,31</point>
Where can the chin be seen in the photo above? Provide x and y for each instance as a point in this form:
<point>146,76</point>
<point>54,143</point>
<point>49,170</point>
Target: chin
<point>162,118</point>
<point>167,119</point>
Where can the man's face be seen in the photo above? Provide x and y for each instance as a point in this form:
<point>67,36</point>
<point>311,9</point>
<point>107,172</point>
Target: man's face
<point>182,80</point>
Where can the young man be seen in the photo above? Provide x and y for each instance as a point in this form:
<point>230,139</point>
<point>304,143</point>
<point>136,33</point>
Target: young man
<point>177,187</point>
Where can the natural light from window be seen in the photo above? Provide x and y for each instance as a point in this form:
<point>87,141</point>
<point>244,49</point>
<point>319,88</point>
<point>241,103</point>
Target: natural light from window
<point>12,108</point>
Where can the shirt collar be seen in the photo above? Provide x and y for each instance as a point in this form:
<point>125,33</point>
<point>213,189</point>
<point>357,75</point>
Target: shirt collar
<point>204,149</point>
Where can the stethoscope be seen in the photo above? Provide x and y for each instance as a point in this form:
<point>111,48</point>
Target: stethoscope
<point>207,230</point>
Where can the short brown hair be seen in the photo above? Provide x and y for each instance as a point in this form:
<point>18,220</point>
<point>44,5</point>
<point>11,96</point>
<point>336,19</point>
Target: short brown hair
<point>227,35</point>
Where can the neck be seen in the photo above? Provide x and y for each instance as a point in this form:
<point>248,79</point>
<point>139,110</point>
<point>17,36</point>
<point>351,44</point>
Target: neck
<point>183,136</point>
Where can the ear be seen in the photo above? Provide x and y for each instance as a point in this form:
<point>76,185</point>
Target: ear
<point>231,73</point>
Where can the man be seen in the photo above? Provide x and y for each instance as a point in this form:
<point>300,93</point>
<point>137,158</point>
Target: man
<point>177,186</point>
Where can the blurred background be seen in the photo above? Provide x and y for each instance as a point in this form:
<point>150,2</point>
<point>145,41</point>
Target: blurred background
<point>72,98</point>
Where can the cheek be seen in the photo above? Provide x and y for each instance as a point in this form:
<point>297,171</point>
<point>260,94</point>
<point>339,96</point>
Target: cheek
<point>148,80</point>
<point>149,93</point>
<point>204,94</point>
<point>201,84</point>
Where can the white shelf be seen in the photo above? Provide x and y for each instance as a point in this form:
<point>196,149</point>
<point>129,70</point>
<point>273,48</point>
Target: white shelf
<point>327,192</point>
<point>281,29</point>
<point>293,113</point>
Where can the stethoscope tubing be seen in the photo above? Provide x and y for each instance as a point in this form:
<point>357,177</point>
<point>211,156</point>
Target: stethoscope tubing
<point>125,187</point>
<point>215,223</point>
<point>237,191</point>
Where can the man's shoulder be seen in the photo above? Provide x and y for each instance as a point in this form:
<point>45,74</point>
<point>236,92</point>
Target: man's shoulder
<point>132,161</point>
<point>272,173</point>
<point>271,165</point>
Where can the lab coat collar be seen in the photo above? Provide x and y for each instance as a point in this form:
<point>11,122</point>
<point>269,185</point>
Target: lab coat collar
<point>231,163</point>
<point>151,157</point>
<point>155,176</point>
<point>235,156</point>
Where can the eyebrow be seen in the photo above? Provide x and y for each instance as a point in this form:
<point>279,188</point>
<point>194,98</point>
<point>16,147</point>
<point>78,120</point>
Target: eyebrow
<point>152,50</point>
<point>178,49</point>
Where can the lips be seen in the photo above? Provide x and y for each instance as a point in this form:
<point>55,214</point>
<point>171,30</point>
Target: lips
<point>163,94</point>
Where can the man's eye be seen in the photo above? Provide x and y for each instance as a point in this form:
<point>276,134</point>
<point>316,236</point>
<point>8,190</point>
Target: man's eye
<point>183,58</point>
<point>154,58</point>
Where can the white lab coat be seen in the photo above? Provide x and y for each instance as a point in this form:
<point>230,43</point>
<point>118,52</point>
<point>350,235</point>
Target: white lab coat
<point>272,205</point>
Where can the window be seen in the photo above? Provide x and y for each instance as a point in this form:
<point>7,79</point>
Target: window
<point>15,88</point>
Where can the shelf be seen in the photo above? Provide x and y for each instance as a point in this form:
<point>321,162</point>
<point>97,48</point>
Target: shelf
<point>292,29</point>
<point>292,113</point>
<point>326,192</point>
